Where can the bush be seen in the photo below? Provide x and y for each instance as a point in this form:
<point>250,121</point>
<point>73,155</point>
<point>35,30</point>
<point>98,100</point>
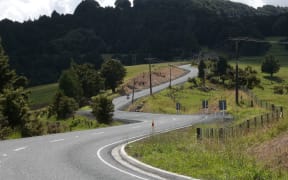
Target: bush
<point>103,109</point>
<point>4,128</point>
<point>215,80</point>
<point>63,106</point>
<point>33,127</point>
<point>55,127</point>
<point>278,90</point>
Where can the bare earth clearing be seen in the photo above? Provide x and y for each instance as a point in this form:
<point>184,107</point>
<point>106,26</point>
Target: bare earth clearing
<point>159,76</point>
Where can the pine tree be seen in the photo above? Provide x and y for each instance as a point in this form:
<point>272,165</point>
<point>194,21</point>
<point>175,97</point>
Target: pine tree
<point>13,97</point>
<point>8,77</point>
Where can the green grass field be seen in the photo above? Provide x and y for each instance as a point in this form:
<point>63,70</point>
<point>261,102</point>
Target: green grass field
<point>42,95</point>
<point>179,151</point>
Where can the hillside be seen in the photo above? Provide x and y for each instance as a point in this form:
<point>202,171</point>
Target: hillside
<point>164,29</point>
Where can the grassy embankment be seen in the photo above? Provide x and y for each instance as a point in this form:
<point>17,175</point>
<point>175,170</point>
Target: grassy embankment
<point>180,152</point>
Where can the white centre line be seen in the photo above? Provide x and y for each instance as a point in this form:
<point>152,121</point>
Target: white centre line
<point>56,140</point>
<point>4,155</point>
<point>20,149</point>
<point>98,133</point>
<point>76,136</point>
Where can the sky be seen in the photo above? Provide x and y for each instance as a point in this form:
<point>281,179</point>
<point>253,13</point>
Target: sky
<point>21,10</point>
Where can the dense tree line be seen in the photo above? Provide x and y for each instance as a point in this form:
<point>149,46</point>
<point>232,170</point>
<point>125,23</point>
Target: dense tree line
<point>41,49</point>
<point>81,83</point>
<point>220,72</point>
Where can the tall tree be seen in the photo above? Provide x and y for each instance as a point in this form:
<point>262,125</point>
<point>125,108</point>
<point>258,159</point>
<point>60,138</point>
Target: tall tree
<point>70,84</point>
<point>63,106</point>
<point>113,72</point>
<point>15,106</point>
<point>222,66</point>
<point>201,71</point>
<point>13,98</point>
<point>90,79</point>
<point>8,77</point>
<point>270,65</point>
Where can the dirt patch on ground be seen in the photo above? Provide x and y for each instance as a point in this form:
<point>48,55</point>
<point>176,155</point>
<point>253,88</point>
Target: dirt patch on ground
<point>273,153</point>
<point>159,76</point>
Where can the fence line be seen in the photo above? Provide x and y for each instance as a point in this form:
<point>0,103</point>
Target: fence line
<point>222,134</point>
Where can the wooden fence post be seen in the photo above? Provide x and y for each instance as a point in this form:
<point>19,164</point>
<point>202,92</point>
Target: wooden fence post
<point>277,115</point>
<point>255,122</point>
<point>199,133</point>
<point>221,134</point>
<point>248,125</point>
<point>212,132</point>
<point>240,129</point>
<point>262,124</point>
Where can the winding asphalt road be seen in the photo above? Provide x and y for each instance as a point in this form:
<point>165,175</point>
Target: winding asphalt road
<point>87,154</point>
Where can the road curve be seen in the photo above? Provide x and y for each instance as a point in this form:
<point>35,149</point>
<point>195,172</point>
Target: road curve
<point>87,154</point>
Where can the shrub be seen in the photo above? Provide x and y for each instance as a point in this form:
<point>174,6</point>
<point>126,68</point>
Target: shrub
<point>103,109</point>
<point>32,127</point>
<point>278,90</point>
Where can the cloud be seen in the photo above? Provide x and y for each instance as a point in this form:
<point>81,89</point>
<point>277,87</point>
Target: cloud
<point>277,2</point>
<point>253,3</point>
<point>21,10</point>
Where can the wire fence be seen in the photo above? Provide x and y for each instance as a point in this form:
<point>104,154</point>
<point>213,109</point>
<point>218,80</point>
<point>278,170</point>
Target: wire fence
<point>250,125</point>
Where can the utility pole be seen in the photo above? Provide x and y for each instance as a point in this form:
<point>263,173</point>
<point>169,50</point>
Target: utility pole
<point>150,77</point>
<point>133,91</point>
<point>238,40</point>
<point>237,73</point>
<point>150,73</point>
<point>170,85</point>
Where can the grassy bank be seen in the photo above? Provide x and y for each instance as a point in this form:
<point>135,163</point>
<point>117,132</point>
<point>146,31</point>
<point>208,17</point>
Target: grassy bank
<point>179,152</point>
<point>237,158</point>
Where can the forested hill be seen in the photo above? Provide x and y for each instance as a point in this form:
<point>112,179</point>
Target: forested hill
<point>41,49</point>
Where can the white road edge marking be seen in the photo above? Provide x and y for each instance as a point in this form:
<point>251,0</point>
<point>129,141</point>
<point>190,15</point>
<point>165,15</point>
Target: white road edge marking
<point>137,137</point>
<point>98,133</point>
<point>111,166</point>
<point>56,140</point>
<point>19,149</point>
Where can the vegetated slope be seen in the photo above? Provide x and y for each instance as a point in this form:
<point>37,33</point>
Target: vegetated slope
<point>41,49</point>
<point>258,154</point>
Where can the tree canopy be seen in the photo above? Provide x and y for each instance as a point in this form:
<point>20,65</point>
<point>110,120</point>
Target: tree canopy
<point>103,109</point>
<point>113,72</point>
<point>270,65</point>
<point>166,29</point>
<point>14,110</point>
